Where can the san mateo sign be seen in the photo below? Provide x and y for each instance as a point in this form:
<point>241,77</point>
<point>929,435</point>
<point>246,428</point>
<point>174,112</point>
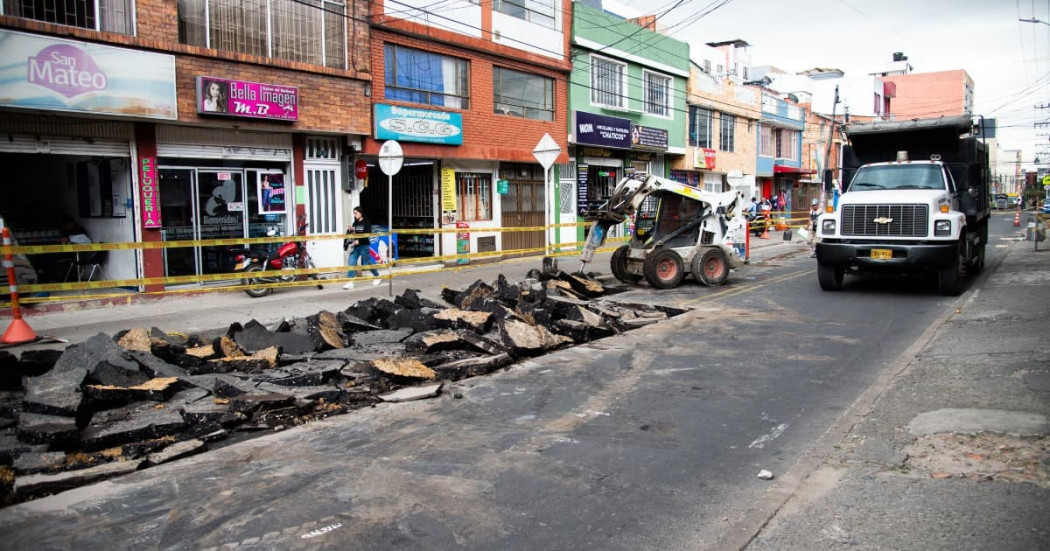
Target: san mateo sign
<point>408,124</point>
<point>41,72</point>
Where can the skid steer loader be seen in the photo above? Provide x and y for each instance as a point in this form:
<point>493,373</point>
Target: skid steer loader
<point>678,230</point>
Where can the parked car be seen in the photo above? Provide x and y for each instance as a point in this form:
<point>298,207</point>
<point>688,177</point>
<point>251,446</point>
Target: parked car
<point>1046,207</point>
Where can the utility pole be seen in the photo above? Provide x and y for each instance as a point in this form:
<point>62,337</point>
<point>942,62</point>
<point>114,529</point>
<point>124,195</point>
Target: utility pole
<point>828,173</point>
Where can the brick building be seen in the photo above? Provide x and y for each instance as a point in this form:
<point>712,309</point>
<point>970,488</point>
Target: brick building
<point>148,121</point>
<point>468,90</point>
<point>923,95</point>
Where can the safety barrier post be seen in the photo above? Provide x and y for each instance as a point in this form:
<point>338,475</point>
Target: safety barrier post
<point>19,331</point>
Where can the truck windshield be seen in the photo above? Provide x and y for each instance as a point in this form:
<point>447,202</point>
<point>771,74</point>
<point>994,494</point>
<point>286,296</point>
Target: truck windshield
<point>898,177</point>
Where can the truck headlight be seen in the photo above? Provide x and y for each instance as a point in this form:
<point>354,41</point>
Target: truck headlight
<point>942,228</point>
<point>827,227</point>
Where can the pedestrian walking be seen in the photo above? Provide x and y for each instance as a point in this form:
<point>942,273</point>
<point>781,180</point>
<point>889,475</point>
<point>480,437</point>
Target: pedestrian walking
<point>359,247</point>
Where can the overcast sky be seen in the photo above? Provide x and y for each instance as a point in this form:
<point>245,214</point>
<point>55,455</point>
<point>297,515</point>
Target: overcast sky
<point>1008,60</point>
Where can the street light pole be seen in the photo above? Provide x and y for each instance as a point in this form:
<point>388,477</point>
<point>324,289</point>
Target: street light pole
<point>828,174</point>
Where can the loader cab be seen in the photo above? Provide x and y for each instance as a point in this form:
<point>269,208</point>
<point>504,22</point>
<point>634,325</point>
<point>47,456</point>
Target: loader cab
<point>662,214</point>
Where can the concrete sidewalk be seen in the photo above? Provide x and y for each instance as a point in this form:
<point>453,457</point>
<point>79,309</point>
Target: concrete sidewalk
<point>205,311</point>
<point>951,450</point>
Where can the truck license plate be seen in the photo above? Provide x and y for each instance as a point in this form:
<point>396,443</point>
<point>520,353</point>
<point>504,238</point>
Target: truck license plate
<point>881,254</point>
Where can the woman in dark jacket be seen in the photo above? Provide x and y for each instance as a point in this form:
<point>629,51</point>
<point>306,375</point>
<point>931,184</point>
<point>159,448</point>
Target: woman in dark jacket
<point>358,247</point>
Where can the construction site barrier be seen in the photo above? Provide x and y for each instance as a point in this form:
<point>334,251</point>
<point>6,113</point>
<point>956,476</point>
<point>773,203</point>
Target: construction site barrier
<point>234,279</point>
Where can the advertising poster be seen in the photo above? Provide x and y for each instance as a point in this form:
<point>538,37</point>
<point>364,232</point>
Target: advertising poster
<point>448,196</point>
<point>462,242</point>
<point>271,193</point>
<point>240,98</point>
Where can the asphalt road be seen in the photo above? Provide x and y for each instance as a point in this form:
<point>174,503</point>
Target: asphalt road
<point>648,440</point>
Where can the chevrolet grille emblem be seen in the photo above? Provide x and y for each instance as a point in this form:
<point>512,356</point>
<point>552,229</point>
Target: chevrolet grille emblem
<point>882,220</point>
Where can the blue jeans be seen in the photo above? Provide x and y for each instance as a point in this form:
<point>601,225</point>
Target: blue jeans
<point>365,254</point>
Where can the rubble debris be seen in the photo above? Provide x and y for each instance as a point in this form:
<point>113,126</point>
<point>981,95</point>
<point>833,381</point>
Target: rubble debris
<point>37,484</point>
<point>157,390</point>
<point>410,393</point>
<point>404,367</point>
<point>144,397</point>
<point>454,318</point>
<point>175,451</point>
<point>326,331</point>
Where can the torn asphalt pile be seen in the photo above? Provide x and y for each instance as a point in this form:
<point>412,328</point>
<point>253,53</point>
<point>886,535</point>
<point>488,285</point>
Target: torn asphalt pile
<point>112,405</point>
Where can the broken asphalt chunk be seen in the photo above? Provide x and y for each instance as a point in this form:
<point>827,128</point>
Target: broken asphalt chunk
<point>36,484</point>
<point>36,428</point>
<point>472,367</point>
<point>410,368</point>
<point>454,318</point>
<point>410,393</point>
<point>157,390</point>
<point>325,331</point>
<point>175,451</point>
<point>523,339</point>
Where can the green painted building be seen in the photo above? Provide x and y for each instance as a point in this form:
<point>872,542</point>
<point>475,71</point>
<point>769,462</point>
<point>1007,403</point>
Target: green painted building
<point>627,107</point>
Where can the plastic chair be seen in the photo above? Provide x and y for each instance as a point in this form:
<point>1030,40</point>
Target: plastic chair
<point>92,261</point>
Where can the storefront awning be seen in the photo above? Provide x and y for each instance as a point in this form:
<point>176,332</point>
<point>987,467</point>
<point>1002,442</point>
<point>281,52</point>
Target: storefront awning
<point>784,169</point>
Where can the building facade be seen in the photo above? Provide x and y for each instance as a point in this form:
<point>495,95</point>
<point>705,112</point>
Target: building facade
<point>779,169</point>
<point>723,123</point>
<point>627,106</point>
<point>229,124</point>
<point>923,95</point>
<point>469,90</point>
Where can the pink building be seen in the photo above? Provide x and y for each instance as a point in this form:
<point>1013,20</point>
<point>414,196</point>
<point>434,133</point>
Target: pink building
<point>923,95</point>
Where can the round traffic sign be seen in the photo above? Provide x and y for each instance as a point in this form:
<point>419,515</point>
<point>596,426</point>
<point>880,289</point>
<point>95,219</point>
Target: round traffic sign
<point>390,157</point>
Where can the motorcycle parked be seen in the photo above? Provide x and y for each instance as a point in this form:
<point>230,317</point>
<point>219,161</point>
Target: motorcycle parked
<point>263,270</point>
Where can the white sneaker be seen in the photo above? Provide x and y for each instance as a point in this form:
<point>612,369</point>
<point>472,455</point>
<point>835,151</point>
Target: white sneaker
<point>348,285</point>
<point>376,282</point>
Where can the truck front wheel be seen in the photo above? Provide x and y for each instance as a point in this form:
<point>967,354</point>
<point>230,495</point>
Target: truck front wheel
<point>711,268</point>
<point>950,279</point>
<point>830,277</point>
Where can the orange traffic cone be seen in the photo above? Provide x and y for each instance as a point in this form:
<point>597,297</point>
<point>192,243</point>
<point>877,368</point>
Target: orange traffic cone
<point>1017,219</point>
<point>765,232</point>
<point>19,331</point>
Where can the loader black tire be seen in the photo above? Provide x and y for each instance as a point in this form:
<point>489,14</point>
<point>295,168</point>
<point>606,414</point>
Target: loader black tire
<point>618,265</point>
<point>711,268</point>
<point>664,268</point>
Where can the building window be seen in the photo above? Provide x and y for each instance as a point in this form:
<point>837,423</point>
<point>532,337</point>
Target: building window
<point>699,127</point>
<point>786,143</point>
<point>707,66</point>
<point>657,94</point>
<point>474,195</point>
<point>766,140</point>
<point>608,82</point>
<point>540,12</point>
<point>727,139</point>
<point>115,16</point>
<point>423,77</point>
<point>522,95</point>
<point>306,31</point>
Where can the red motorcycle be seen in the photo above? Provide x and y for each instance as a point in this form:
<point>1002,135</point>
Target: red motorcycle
<point>263,270</point>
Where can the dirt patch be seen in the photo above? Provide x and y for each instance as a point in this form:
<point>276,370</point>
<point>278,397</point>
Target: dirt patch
<point>981,456</point>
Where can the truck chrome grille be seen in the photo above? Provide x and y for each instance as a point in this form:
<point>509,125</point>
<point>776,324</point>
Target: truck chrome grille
<point>904,220</point>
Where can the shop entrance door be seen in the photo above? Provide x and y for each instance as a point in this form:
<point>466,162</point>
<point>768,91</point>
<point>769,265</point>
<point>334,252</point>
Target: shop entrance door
<point>200,204</point>
<point>522,206</point>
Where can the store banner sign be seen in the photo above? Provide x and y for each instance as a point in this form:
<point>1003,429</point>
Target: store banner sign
<point>581,188</point>
<point>594,129</point>
<point>240,98</point>
<point>149,193</point>
<point>41,72</point>
<point>407,124</point>
<point>448,195</point>
<point>647,137</point>
<point>705,158</point>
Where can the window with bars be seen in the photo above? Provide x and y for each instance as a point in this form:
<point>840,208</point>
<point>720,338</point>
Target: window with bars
<point>657,94</point>
<point>728,137</point>
<point>115,16</point>
<point>307,31</point>
<point>522,95</point>
<point>699,126</point>
<point>474,196</point>
<point>608,82</point>
<point>540,12</point>
<point>424,77</point>
<point>766,140</point>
